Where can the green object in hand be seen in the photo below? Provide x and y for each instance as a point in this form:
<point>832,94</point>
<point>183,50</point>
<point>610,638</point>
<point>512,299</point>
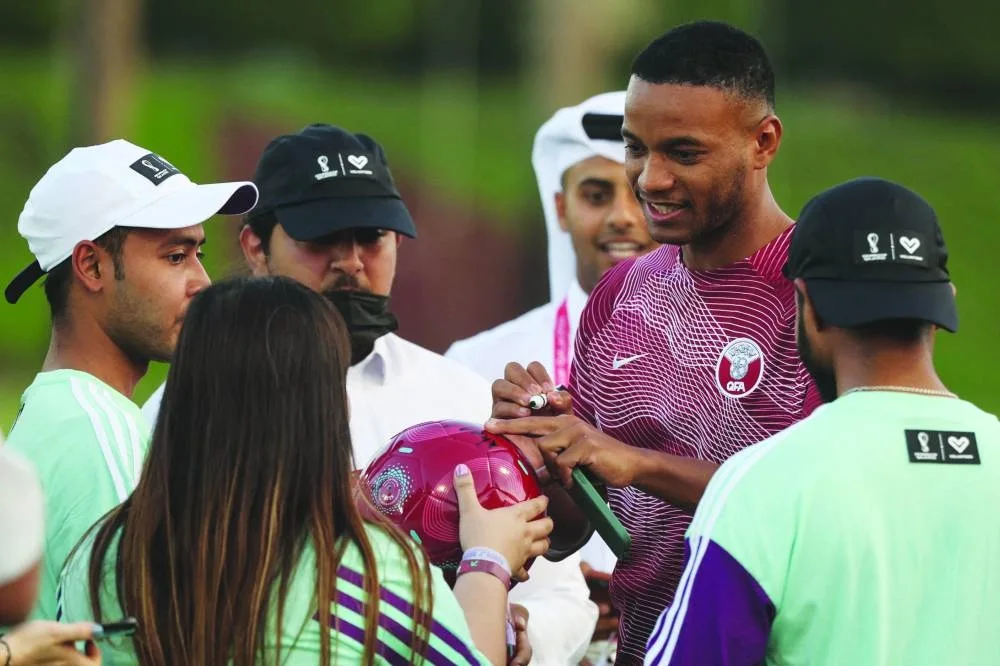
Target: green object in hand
<point>599,513</point>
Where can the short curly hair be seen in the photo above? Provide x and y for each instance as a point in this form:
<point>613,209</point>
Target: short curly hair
<point>709,53</point>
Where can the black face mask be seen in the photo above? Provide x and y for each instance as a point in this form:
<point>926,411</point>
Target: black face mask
<point>367,317</point>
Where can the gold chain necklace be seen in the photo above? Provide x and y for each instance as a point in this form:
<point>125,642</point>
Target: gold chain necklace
<point>902,389</point>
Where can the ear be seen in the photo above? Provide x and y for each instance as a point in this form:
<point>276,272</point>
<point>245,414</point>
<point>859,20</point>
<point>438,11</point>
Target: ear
<point>253,250</point>
<point>767,139</point>
<point>399,239</point>
<point>561,210</point>
<point>806,310</point>
<point>91,266</point>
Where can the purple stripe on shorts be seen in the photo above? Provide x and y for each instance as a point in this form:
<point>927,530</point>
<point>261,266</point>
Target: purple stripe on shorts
<point>404,606</point>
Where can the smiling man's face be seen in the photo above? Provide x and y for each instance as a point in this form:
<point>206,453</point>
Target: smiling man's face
<point>602,216</point>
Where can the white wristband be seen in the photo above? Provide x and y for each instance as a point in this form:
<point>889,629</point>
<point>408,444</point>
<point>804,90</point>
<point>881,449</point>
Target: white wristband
<point>487,555</point>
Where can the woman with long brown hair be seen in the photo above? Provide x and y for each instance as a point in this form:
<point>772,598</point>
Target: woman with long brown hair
<point>243,542</point>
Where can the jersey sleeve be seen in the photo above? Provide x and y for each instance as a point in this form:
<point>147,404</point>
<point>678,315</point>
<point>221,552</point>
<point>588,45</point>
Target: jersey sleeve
<point>721,615</point>
<point>77,508</point>
<point>102,454</point>
<point>595,315</point>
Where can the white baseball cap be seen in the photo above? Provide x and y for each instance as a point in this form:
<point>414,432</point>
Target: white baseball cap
<point>116,184</point>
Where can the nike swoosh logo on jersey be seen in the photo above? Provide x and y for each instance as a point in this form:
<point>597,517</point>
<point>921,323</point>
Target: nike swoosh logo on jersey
<point>619,362</point>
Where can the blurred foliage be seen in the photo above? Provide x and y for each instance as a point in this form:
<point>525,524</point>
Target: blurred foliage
<point>945,52</point>
<point>383,36</point>
<point>940,51</point>
<point>30,24</point>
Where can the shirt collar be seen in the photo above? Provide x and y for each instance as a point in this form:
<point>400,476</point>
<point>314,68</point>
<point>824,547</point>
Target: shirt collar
<point>376,366</point>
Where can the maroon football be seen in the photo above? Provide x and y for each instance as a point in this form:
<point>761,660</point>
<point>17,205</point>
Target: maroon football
<point>410,481</point>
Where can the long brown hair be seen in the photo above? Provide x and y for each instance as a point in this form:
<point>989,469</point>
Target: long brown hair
<point>250,459</point>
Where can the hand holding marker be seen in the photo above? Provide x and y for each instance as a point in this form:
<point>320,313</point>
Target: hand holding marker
<point>589,499</point>
<point>540,400</point>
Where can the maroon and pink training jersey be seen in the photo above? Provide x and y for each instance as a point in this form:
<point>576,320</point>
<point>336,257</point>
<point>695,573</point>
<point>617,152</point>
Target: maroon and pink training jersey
<point>694,363</point>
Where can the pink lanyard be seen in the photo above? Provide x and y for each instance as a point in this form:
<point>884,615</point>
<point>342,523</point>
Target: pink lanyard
<point>560,345</point>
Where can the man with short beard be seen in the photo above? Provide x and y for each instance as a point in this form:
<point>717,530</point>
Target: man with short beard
<point>866,533</point>
<point>116,231</point>
<point>686,355</point>
<point>331,217</point>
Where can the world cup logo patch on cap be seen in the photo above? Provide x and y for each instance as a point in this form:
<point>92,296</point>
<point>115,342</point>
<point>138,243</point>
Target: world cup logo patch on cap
<point>740,368</point>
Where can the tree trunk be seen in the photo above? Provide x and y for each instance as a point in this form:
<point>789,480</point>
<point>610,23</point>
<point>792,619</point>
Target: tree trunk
<point>576,47</point>
<point>105,54</point>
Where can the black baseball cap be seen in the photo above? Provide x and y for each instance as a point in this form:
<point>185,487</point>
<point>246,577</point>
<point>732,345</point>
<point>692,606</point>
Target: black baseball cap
<point>871,250</point>
<point>325,179</point>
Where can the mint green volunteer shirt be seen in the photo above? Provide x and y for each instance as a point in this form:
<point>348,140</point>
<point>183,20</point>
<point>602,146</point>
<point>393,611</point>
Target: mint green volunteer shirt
<point>87,442</point>
<point>304,628</point>
<point>868,533</point>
